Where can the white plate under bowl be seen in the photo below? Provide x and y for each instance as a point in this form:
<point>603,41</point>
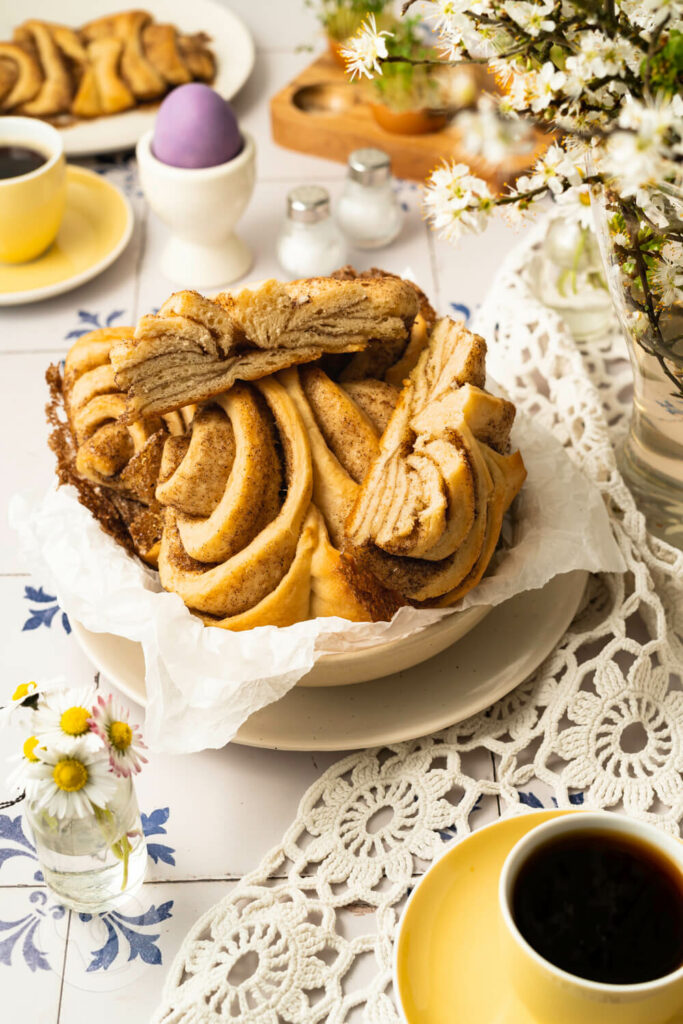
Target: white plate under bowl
<point>482,667</point>
<point>231,44</point>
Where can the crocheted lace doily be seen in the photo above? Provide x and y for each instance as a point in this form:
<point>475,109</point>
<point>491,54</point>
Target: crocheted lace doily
<point>602,716</point>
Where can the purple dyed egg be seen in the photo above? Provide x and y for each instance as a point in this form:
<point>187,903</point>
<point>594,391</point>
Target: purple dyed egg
<point>195,127</point>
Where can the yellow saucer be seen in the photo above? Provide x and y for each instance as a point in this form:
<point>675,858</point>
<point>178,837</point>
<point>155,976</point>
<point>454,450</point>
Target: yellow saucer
<point>447,966</point>
<point>97,226</point>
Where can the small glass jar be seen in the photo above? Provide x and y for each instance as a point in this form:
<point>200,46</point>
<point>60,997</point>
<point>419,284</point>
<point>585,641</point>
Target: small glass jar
<point>310,243</point>
<point>565,274</point>
<point>96,862</point>
<point>369,213</point>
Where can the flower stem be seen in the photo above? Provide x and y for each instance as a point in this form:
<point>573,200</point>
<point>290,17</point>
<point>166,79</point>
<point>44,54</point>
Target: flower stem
<point>122,847</point>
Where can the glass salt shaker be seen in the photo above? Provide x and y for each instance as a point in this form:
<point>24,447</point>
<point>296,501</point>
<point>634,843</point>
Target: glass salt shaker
<point>310,243</point>
<point>368,211</point>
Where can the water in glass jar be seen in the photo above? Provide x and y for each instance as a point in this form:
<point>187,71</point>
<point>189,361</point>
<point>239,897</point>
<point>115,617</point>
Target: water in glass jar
<point>93,863</point>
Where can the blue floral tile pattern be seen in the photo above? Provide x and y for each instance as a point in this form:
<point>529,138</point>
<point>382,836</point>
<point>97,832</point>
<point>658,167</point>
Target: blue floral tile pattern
<point>22,933</point>
<point>140,943</point>
<point>12,831</point>
<point>673,408</point>
<point>92,321</point>
<point>153,825</point>
<point>122,169</point>
<point>46,611</point>
<point>460,307</point>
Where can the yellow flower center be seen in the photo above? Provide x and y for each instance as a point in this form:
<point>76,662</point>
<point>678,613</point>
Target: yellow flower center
<point>74,721</point>
<point>121,735</point>
<point>29,748</point>
<point>23,690</point>
<point>70,775</point>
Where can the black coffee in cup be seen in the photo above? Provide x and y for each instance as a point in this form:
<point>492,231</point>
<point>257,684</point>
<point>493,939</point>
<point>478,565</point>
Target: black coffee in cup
<point>18,160</point>
<point>601,906</point>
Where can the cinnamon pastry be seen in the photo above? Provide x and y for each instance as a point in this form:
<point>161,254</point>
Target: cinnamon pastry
<point>109,65</point>
<point>194,348</point>
<point>331,315</point>
<point>236,551</point>
<point>393,361</point>
<point>289,495</point>
<point>160,44</point>
<point>429,511</point>
<point>124,458</point>
<point>21,72</point>
<point>141,77</point>
<point>196,54</point>
<point>238,577</point>
<point>102,91</point>
<point>8,76</point>
<point>343,443</point>
<point>56,91</point>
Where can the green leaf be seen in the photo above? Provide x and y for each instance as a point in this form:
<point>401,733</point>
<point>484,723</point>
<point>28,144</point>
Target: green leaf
<point>558,56</point>
<point>666,65</point>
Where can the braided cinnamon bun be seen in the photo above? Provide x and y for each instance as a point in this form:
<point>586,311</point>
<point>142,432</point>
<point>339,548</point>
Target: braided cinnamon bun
<point>298,487</point>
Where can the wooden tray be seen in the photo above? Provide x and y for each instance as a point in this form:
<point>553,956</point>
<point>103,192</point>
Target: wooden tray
<point>324,114</point>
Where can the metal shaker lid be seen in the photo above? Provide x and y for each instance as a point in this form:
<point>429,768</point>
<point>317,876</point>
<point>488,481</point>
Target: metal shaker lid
<point>369,166</point>
<point>308,204</point>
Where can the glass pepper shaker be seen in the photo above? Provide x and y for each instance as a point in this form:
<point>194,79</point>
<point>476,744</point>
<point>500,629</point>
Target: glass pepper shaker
<point>368,211</point>
<point>310,243</point>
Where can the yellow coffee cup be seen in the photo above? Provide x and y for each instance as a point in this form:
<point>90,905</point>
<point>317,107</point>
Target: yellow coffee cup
<point>31,205</point>
<point>552,994</point>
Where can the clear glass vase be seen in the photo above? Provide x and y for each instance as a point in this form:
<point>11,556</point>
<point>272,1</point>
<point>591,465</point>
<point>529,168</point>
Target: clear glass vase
<point>94,863</point>
<point>651,455</point>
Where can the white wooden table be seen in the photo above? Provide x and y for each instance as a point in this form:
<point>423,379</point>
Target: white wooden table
<point>210,816</point>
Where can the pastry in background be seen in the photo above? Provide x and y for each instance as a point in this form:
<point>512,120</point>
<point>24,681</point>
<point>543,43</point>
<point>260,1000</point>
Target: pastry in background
<point>109,65</point>
<point>20,76</point>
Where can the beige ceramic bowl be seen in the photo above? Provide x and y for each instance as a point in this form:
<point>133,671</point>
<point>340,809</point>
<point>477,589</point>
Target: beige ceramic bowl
<point>385,659</point>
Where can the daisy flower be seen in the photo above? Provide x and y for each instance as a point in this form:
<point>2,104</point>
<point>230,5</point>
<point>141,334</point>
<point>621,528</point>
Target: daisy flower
<point>65,716</point>
<point>364,52</point>
<point>123,740</point>
<point>18,778</point>
<point>25,698</point>
<point>70,783</point>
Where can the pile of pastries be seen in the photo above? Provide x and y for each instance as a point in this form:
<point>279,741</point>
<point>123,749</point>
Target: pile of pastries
<point>109,65</point>
<point>312,448</point>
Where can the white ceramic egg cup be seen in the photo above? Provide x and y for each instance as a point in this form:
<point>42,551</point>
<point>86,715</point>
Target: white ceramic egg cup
<point>201,207</point>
